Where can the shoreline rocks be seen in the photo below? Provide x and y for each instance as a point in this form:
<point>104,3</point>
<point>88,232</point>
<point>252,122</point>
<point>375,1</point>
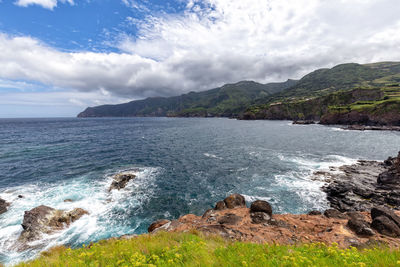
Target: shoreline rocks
<point>364,185</point>
<point>258,224</point>
<point>120,181</point>
<point>45,220</point>
<point>3,206</point>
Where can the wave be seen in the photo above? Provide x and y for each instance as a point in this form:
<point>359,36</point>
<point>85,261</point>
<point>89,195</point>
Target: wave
<point>299,179</point>
<point>107,210</point>
<point>212,156</point>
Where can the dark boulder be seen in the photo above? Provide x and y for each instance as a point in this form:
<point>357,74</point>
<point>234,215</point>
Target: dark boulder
<point>220,205</point>
<point>157,224</point>
<point>332,213</point>
<point>392,174</point>
<point>235,200</point>
<point>229,219</point>
<point>261,206</point>
<point>385,226</point>
<point>315,212</point>
<point>380,211</point>
<point>259,217</point>
<point>120,181</point>
<point>358,224</point>
<point>3,206</point>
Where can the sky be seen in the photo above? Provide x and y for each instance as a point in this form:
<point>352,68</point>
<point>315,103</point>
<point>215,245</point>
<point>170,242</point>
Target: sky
<point>58,57</point>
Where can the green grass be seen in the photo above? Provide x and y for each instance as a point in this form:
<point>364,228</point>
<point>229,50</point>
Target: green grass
<point>193,249</point>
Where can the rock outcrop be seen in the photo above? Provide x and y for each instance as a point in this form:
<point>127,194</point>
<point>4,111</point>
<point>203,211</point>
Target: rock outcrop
<point>364,185</point>
<point>238,223</point>
<point>3,206</point>
<point>46,220</point>
<point>231,202</point>
<point>121,180</point>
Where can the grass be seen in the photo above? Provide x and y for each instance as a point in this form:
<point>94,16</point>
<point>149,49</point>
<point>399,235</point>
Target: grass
<point>193,249</point>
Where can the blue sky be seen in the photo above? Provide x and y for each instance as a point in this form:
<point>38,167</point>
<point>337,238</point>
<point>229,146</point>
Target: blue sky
<point>60,56</point>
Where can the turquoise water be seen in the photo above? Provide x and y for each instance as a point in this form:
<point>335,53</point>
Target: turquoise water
<point>182,166</point>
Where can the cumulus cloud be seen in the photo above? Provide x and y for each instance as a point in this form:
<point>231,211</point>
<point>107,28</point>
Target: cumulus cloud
<point>215,42</point>
<point>49,4</point>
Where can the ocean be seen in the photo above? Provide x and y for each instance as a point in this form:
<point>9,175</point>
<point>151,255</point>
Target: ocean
<point>183,165</point>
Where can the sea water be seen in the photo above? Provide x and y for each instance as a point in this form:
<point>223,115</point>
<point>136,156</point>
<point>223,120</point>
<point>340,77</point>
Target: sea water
<point>182,166</point>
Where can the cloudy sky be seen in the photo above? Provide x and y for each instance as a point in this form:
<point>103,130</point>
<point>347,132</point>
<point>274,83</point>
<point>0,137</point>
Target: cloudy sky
<point>59,56</point>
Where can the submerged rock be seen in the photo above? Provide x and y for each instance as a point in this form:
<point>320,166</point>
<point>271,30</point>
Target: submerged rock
<point>120,181</point>
<point>3,205</point>
<point>45,220</point>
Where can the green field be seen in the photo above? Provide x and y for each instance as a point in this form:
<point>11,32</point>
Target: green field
<point>193,249</point>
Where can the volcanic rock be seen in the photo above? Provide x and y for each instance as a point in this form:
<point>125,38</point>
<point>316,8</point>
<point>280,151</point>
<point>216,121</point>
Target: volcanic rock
<point>261,206</point>
<point>220,205</point>
<point>259,217</point>
<point>358,224</point>
<point>385,226</point>
<point>45,220</point>
<point>332,213</point>
<point>380,211</point>
<point>392,175</point>
<point>3,205</point>
<point>364,185</point>
<point>314,212</point>
<point>120,181</point>
<point>157,224</point>
<point>229,219</point>
<point>235,200</point>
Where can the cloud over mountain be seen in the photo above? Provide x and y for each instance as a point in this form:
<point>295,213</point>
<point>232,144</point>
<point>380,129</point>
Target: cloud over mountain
<point>211,43</point>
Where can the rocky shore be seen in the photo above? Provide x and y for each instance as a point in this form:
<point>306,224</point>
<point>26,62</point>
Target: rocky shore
<point>364,185</point>
<point>364,198</point>
<point>233,220</point>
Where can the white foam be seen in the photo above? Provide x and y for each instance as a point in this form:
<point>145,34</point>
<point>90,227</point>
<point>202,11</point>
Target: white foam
<point>212,156</point>
<point>91,195</point>
<point>299,181</point>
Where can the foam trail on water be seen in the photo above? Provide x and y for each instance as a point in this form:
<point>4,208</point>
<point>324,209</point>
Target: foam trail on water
<point>106,210</point>
<point>298,180</point>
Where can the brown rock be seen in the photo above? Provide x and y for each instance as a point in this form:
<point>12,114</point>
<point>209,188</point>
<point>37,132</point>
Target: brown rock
<point>229,219</point>
<point>220,205</point>
<point>261,206</point>
<point>157,224</point>
<point>315,212</point>
<point>235,200</point>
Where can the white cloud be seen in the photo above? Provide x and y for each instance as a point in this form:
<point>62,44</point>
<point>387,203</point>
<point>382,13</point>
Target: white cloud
<point>49,4</point>
<point>215,42</point>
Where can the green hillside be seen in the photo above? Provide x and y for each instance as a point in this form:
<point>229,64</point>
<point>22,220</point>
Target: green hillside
<point>226,101</point>
<point>251,100</point>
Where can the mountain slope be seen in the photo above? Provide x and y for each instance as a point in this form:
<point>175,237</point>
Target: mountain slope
<point>227,101</point>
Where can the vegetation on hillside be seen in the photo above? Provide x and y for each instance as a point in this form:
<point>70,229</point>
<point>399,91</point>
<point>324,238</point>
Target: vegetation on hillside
<point>193,249</point>
<point>226,101</point>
